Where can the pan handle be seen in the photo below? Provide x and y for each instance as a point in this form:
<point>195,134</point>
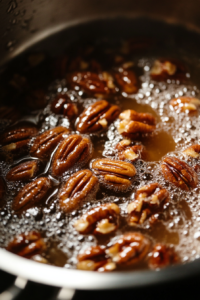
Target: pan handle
<point>12,292</point>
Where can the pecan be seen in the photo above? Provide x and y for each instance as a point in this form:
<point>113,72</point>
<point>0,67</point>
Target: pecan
<point>73,151</point>
<point>9,113</point>
<point>2,188</point>
<point>36,99</point>
<point>187,105</point>
<point>79,187</point>
<point>15,141</point>
<point>179,173</point>
<point>102,219</point>
<point>129,249</point>
<point>127,81</point>
<point>32,194</point>
<point>95,259</point>
<point>193,151</point>
<point>114,174</point>
<point>162,256</point>
<point>27,244</point>
<point>24,171</point>
<point>167,69</point>
<point>148,200</point>
<point>132,115</point>
<point>45,143</point>
<point>97,117</point>
<point>62,105</point>
<point>132,153</point>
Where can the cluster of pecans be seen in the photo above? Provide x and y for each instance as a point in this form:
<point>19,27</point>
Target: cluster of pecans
<point>70,152</point>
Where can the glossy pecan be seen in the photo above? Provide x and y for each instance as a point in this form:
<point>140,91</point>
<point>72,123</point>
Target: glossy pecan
<point>75,150</point>
<point>167,69</point>
<point>79,187</point>
<point>2,188</point>
<point>102,219</point>
<point>9,113</point>
<point>114,174</point>
<point>162,256</point>
<point>127,81</point>
<point>97,117</point>
<point>132,115</point>
<point>27,244</point>
<point>187,105</point>
<point>193,151</point>
<point>46,142</point>
<point>24,171</point>
<point>32,194</point>
<point>36,99</point>
<point>148,200</point>
<point>179,173</point>
<point>62,105</point>
<point>132,153</point>
<point>129,249</point>
<point>95,259</point>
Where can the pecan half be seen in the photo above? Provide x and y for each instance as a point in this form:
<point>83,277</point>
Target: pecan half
<point>167,69</point>
<point>2,188</point>
<point>62,105</point>
<point>187,105</point>
<point>27,244</point>
<point>129,249</point>
<point>95,259</point>
<point>193,151</point>
<point>79,187</point>
<point>73,151</point>
<point>132,115</point>
<point>102,219</point>
<point>127,81</point>
<point>162,256</point>
<point>179,173</point>
<point>114,174</point>
<point>24,171</point>
<point>97,117</point>
<point>32,194</point>
<point>148,200</point>
<point>46,142</point>
<point>9,113</point>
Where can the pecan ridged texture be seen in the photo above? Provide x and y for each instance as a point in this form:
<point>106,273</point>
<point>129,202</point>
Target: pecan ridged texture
<point>32,194</point>
<point>62,105</point>
<point>187,105</point>
<point>102,219</point>
<point>114,174</point>
<point>129,249</point>
<point>74,151</point>
<point>95,259</point>
<point>27,244</point>
<point>179,173</point>
<point>162,256</point>
<point>164,69</point>
<point>24,171</point>
<point>148,200</point>
<point>79,187</point>
<point>193,151</point>
<point>97,117</point>
<point>46,142</point>
<point>127,81</point>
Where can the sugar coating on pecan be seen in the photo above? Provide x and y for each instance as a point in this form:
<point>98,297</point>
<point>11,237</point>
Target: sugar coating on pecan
<point>126,80</point>
<point>97,117</point>
<point>102,219</point>
<point>27,244</point>
<point>95,259</point>
<point>46,142</point>
<point>167,69</point>
<point>162,256</point>
<point>148,200</point>
<point>78,188</point>
<point>179,173</point>
<point>74,151</point>
<point>63,105</point>
<point>193,151</point>
<point>187,105</point>
<point>24,171</point>
<point>131,248</point>
<point>114,174</point>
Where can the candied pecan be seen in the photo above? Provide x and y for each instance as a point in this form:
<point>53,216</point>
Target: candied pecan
<point>129,249</point>
<point>24,171</point>
<point>36,99</point>
<point>32,194</point>
<point>97,117</point>
<point>102,219</point>
<point>79,187</point>
<point>148,200</point>
<point>127,81</point>
<point>9,113</point>
<point>114,174</point>
<point>46,142</point>
<point>73,151</point>
<point>179,173</point>
<point>62,105</point>
<point>193,151</point>
<point>132,115</point>
<point>2,188</point>
<point>188,105</point>
<point>122,145</point>
<point>27,244</point>
<point>167,69</point>
<point>132,129</point>
<point>132,153</point>
<point>95,259</point>
<point>162,256</point>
